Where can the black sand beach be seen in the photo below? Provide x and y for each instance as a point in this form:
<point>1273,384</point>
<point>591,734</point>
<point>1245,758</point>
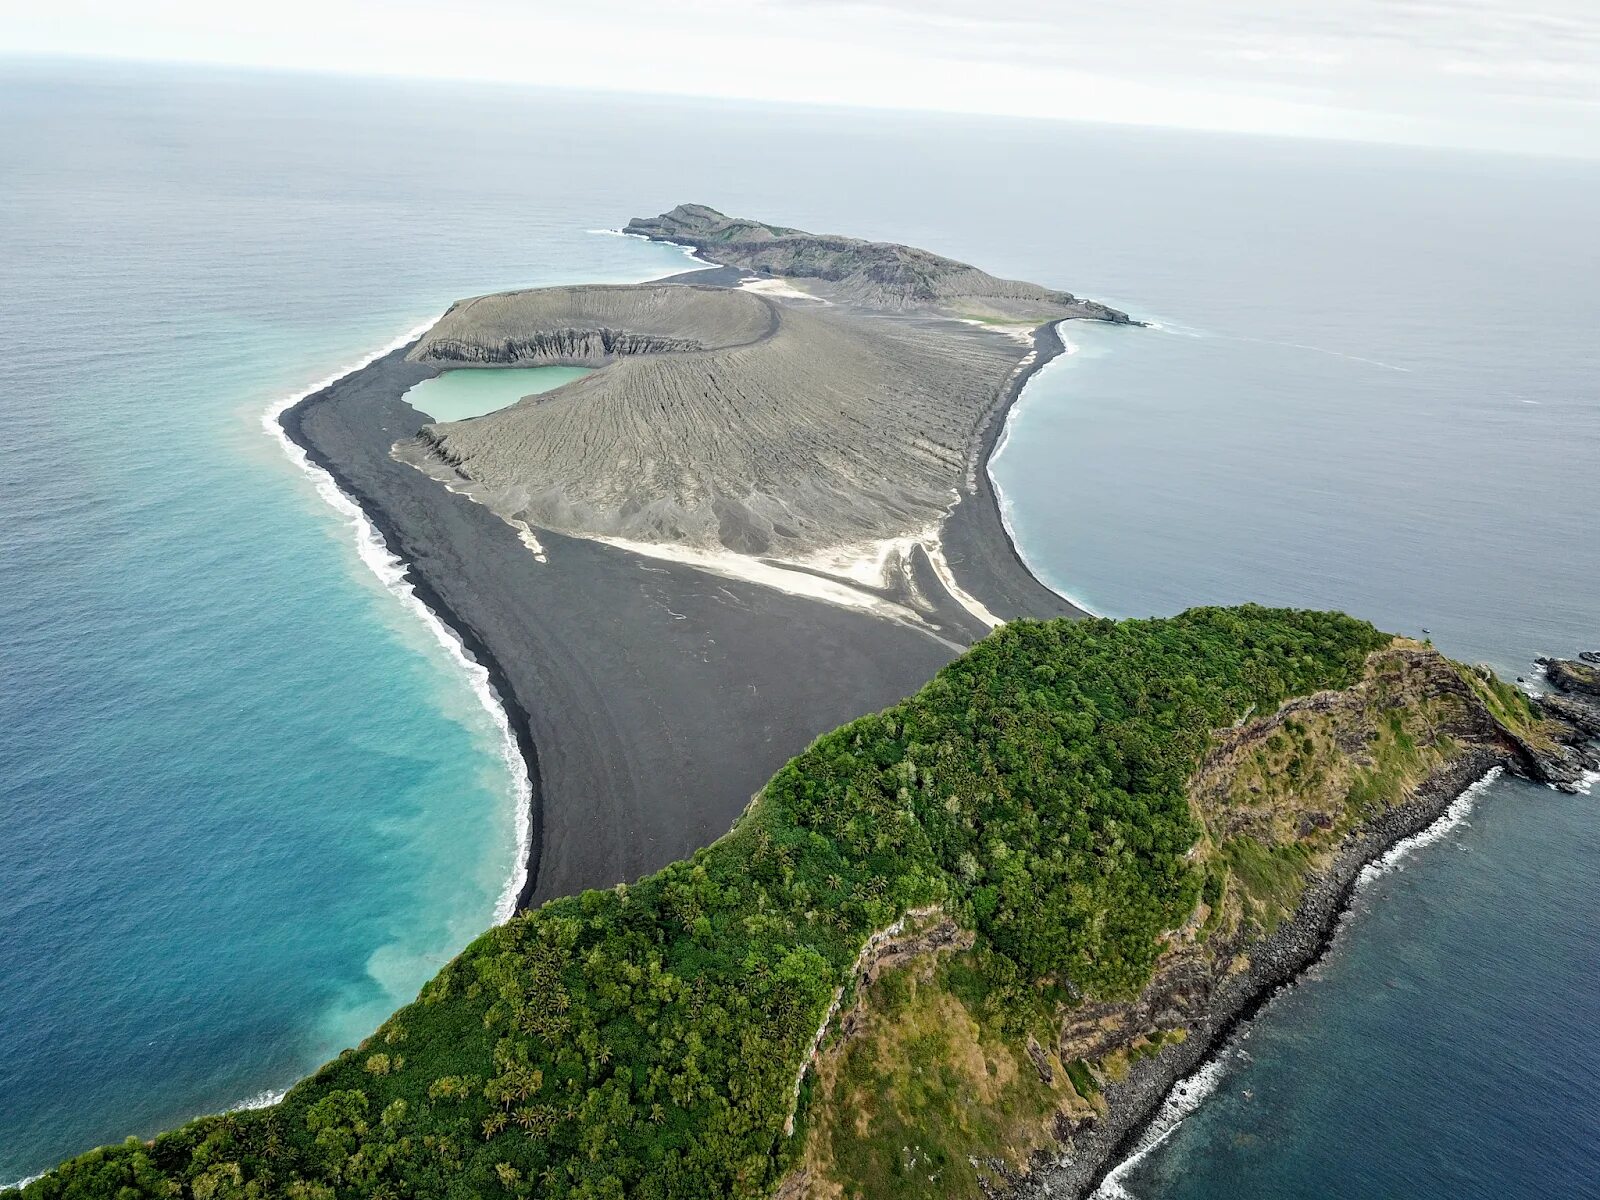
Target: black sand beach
<point>982,556</point>
<point>651,699</point>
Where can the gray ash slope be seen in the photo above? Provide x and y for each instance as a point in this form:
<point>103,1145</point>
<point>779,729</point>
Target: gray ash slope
<point>882,274</point>
<point>730,420</point>
<point>652,699</point>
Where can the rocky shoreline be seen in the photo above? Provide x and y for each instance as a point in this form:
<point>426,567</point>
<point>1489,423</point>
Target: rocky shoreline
<point>1278,961</point>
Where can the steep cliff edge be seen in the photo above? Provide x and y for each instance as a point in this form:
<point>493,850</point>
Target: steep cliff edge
<point>591,325</point>
<point>878,274</point>
<point>1015,905</point>
<point>934,1090</point>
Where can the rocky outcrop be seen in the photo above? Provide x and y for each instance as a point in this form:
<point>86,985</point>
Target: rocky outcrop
<point>1581,714</point>
<point>879,274</point>
<point>921,932</point>
<point>1575,676</point>
<point>1576,705</point>
<point>553,347</point>
<point>1221,965</point>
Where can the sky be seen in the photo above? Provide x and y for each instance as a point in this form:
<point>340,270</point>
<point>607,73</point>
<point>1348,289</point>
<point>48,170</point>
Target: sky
<point>1487,74</point>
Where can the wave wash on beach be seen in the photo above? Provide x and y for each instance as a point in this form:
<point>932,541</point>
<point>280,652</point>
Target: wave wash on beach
<point>394,574</point>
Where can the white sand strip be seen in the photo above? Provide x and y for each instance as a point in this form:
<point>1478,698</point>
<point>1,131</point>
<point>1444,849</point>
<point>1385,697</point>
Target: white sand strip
<point>769,574</point>
<point>778,287</point>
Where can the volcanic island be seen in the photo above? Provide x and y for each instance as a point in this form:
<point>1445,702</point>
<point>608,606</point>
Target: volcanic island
<point>863,864</point>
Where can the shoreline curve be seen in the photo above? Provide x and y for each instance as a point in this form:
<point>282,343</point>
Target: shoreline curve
<point>282,419</point>
<point>1276,965</point>
<point>1060,349</point>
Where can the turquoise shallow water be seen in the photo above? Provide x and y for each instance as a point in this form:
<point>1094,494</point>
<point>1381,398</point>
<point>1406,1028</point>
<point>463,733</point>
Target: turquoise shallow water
<point>457,395</point>
<point>250,801</point>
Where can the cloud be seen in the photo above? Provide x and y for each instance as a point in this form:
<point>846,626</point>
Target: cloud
<point>1482,72</point>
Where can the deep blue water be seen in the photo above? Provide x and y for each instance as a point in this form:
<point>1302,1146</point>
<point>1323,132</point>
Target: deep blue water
<point>250,802</point>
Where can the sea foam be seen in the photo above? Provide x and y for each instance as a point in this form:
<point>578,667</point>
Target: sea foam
<point>1186,1095</point>
<point>1002,501</point>
<point>1450,820</point>
<point>393,573</point>
<point>1193,1090</point>
<point>693,254</point>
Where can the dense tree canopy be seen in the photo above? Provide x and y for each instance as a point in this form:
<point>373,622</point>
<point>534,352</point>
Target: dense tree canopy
<point>645,1041</point>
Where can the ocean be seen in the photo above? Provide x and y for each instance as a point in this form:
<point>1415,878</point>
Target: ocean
<point>253,799</point>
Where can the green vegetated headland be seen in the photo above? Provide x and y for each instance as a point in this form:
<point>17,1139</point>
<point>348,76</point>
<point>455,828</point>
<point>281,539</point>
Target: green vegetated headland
<point>1038,798</point>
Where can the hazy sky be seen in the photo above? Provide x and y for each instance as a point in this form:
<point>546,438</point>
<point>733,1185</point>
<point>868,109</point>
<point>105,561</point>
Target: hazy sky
<point>1490,73</point>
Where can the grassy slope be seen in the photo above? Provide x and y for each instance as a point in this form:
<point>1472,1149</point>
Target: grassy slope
<point>644,1041</point>
<point>934,1094</point>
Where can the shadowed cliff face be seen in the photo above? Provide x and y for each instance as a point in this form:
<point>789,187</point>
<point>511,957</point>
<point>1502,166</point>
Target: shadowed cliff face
<point>591,326</point>
<point>879,274</point>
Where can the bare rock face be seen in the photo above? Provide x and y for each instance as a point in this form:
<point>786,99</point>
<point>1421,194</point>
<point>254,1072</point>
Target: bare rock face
<point>1580,713</point>
<point>1576,700</point>
<point>878,274</point>
<point>590,326</point>
<point>1573,676</point>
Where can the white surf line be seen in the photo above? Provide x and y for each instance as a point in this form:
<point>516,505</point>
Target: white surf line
<point>1002,501</point>
<point>1186,1095</point>
<point>1451,819</point>
<point>392,573</point>
<point>694,255</point>
<point>261,1100</point>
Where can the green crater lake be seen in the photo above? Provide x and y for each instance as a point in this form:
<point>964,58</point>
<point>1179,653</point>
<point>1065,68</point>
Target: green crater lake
<point>457,395</point>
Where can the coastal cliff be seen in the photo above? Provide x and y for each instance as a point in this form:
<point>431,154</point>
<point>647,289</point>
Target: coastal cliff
<point>877,274</point>
<point>1292,805</point>
<point>842,408</point>
<point>961,946</point>
<point>981,928</point>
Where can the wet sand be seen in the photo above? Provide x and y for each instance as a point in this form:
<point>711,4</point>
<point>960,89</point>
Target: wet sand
<point>651,699</point>
<point>977,544</point>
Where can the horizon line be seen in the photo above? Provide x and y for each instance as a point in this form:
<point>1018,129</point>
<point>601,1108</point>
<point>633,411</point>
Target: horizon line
<point>282,70</point>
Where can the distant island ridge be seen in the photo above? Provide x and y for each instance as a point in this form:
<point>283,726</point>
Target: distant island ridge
<point>851,840</point>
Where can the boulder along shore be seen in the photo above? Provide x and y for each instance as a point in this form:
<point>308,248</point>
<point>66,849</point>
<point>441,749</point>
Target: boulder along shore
<point>1094,1150</point>
<point>1133,1105</point>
